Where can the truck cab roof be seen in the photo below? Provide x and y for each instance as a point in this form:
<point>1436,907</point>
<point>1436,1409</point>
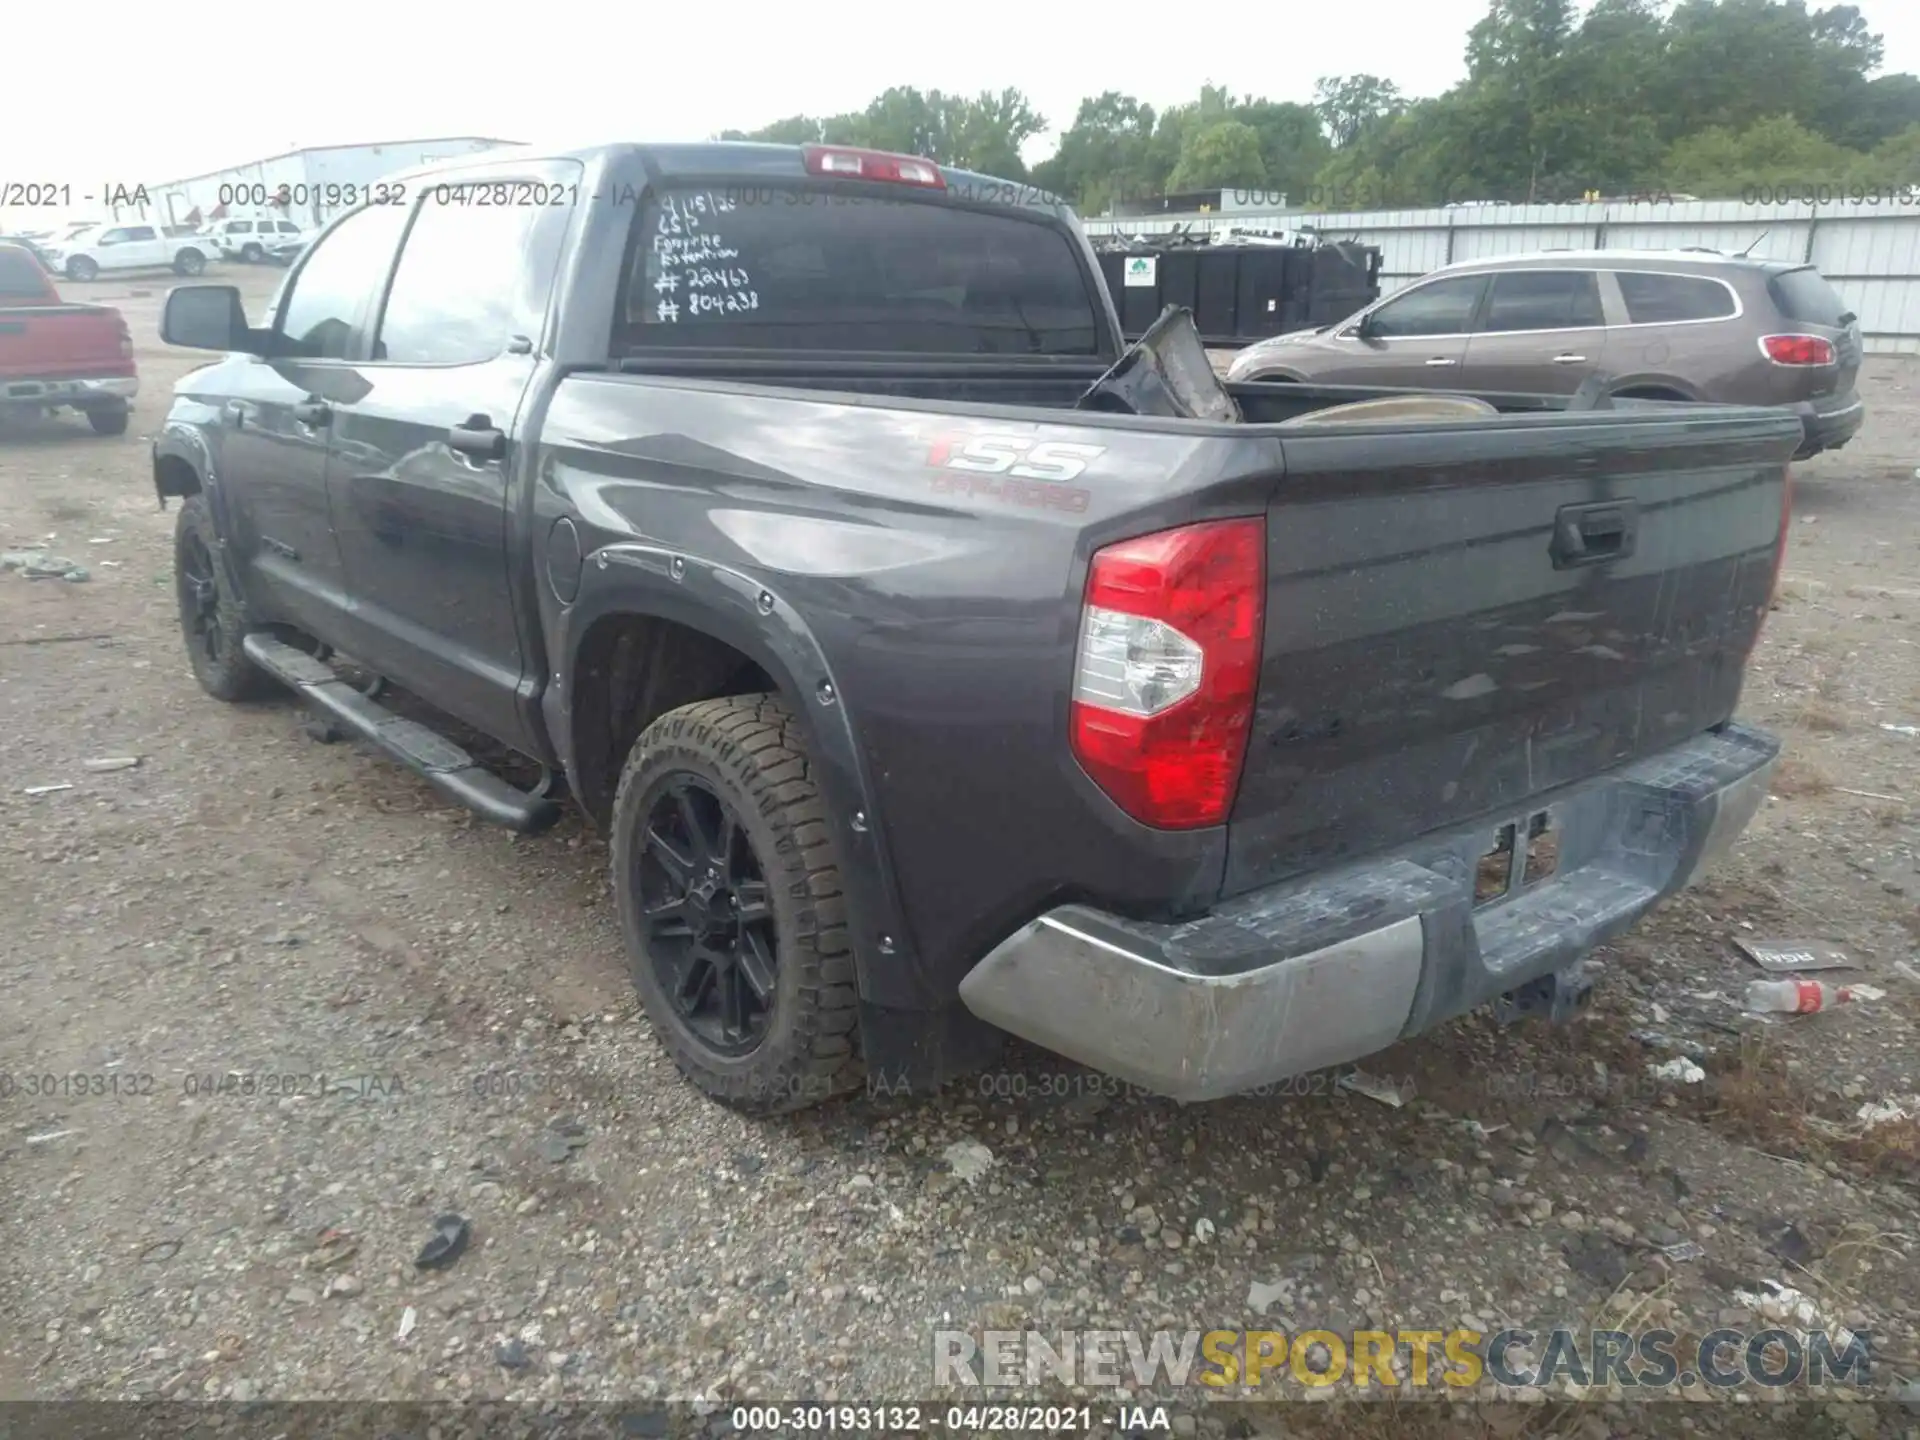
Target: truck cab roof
<point>742,161</point>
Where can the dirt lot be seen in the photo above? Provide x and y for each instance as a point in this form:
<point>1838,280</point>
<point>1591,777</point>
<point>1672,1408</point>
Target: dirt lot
<point>442,995</point>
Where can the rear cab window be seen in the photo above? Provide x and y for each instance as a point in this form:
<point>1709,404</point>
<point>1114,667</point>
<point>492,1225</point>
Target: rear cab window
<point>20,275</point>
<point>801,267</point>
<point>1654,298</point>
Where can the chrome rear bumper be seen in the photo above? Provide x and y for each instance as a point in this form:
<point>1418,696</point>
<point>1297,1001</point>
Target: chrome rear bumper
<point>1336,967</point>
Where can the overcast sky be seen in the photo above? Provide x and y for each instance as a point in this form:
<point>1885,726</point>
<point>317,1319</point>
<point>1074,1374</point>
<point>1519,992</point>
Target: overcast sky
<point>149,92</point>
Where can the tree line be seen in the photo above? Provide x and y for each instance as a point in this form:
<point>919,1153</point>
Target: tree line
<point>1714,98</point>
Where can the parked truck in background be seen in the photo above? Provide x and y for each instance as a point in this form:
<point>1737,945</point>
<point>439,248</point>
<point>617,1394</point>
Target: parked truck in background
<point>84,254</point>
<point>56,355</point>
<point>937,666</point>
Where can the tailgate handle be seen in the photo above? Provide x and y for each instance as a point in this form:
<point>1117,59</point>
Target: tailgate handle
<point>1592,534</point>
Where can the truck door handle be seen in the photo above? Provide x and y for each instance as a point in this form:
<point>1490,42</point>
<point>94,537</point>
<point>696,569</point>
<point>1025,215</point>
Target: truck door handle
<point>1440,360</point>
<point>313,412</point>
<point>1569,359</point>
<point>1592,534</point>
<point>478,437</point>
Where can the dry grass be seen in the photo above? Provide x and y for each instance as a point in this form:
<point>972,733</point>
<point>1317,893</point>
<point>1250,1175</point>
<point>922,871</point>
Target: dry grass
<point>68,511</point>
<point>1758,1100</point>
<point>1891,1148</point>
<point>1822,718</point>
<point>1797,780</point>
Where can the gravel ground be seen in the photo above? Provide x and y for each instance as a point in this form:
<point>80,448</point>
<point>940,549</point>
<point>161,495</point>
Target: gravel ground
<point>439,1019</point>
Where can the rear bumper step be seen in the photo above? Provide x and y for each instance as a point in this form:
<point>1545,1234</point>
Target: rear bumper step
<point>1335,967</point>
<point>430,755</point>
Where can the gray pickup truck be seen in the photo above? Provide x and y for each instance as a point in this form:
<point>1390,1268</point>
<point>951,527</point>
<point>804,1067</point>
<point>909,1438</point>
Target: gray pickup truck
<point>938,666</point>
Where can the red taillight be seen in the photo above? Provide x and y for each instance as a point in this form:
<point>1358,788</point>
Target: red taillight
<point>1167,667</point>
<point>1797,349</point>
<point>854,164</point>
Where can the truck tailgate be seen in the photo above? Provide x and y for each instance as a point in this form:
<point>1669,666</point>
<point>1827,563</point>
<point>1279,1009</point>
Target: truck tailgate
<point>55,341</point>
<point>1448,636</point>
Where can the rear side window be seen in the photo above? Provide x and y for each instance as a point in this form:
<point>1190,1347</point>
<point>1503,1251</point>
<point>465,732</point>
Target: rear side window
<point>797,268</point>
<point>1805,295</point>
<point>20,275</point>
<point>1663,299</point>
<point>1544,300</point>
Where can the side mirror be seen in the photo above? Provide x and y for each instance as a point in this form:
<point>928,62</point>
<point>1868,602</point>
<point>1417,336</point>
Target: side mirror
<point>1364,328</point>
<point>205,317</point>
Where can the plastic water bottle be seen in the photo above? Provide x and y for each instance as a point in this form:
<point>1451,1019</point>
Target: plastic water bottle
<point>1794,997</point>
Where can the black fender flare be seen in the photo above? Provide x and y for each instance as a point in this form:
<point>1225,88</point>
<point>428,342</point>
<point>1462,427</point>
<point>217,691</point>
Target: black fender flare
<point>740,610</point>
<point>185,443</point>
<point>182,440</point>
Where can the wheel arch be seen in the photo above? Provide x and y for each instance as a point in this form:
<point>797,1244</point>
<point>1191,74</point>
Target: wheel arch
<point>1652,387</point>
<point>726,628</point>
<point>181,463</point>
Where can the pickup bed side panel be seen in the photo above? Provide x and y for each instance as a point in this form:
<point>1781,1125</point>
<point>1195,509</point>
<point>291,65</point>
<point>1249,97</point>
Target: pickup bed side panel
<point>941,604</point>
<point>1448,635</point>
<point>57,342</point>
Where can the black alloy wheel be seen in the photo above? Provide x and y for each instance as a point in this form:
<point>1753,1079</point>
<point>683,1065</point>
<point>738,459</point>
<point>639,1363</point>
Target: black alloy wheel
<point>732,908</point>
<point>200,602</point>
<point>213,619</point>
<point>707,915</point>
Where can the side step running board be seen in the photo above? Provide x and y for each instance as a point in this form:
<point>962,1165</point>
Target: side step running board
<point>437,760</point>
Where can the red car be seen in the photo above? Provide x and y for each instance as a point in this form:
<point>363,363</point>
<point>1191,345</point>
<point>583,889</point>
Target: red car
<point>56,355</point>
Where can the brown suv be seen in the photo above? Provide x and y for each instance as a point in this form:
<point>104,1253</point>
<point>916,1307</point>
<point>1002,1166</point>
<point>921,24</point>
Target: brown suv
<point>1663,325</point>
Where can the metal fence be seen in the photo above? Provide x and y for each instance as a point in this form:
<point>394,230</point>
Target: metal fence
<point>1871,252</point>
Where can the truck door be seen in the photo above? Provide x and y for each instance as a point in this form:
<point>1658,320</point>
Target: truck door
<point>418,472</point>
<point>120,247</point>
<point>275,417</point>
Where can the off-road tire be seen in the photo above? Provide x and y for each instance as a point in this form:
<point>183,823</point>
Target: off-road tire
<point>108,419</point>
<point>749,749</point>
<point>228,674</point>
